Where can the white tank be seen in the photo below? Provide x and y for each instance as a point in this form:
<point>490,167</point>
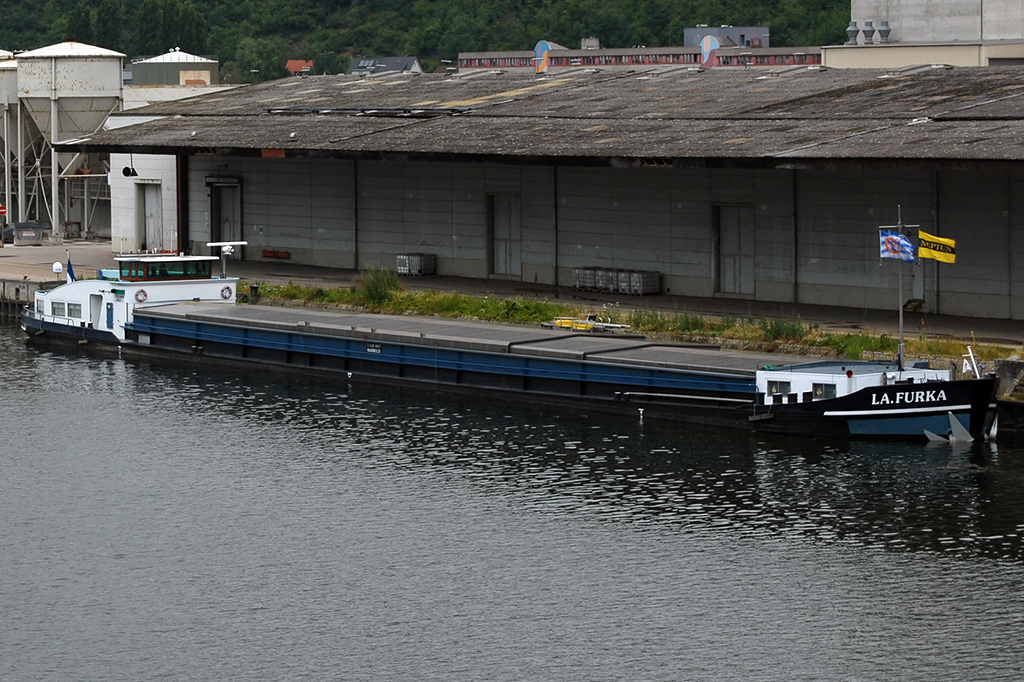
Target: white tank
<point>8,94</point>
<point>8,80</point>
<point>86,81</point>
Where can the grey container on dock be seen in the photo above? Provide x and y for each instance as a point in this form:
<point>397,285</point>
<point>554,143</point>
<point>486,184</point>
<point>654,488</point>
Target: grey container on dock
<point>584,278</point>
<point>642,282</point>
<point>416,264</point>
<point>632,282</point>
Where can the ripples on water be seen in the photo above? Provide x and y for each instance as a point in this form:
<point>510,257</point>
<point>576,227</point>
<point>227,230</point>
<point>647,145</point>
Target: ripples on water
<point>299,526</point>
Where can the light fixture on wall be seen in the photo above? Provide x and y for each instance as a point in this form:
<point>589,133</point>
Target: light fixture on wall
<point>129,170</point>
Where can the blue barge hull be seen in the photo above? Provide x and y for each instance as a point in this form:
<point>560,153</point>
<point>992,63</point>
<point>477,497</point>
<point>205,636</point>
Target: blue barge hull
<point>454,353</point>
<point>622,373</point>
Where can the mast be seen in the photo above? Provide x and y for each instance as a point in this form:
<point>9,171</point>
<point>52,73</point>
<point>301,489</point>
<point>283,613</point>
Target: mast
<point>899,228</point>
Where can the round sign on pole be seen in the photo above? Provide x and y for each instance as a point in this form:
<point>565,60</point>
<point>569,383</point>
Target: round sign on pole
<point>3,210</point>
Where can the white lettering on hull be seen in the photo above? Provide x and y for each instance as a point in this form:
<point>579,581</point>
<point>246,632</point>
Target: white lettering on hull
<point>908,398</point>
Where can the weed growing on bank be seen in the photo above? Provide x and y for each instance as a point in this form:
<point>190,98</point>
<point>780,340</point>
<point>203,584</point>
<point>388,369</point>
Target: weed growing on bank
<point>379,289</point>
<point>378,285</point>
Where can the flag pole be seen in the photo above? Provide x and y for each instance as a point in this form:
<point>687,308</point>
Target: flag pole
<point>902,351</point>
<point>899,227</point>
<point>901,355</point>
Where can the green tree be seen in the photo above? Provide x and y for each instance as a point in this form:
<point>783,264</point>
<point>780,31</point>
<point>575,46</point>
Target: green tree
<point>80,23</point>
<point>109,25</point>
<point>326,50</point>
<point>149,28</point>
<point>191,29</point>
<point>430,29</point>
<point>55,20</point>
<point>259,59</point>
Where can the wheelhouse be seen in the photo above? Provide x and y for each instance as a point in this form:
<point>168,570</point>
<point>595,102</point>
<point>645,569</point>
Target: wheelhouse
<point>162,268</point>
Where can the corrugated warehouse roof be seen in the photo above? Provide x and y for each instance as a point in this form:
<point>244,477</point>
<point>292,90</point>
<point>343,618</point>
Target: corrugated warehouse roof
<point>176,56</point>
<point>135,96</point>
<point>69,49</point>
<point>682,115</point>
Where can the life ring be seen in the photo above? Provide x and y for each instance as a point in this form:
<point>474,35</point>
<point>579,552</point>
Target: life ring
<point>141,295</point>
<point>225,293</point>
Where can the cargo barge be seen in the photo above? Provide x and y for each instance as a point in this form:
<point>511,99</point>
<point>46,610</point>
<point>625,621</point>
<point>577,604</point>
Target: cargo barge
<point>145,310</point>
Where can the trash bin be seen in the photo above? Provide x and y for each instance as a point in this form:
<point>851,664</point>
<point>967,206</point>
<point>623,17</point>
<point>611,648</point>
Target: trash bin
<point>30,234</point>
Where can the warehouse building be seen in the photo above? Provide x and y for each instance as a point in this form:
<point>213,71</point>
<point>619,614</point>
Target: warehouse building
<point>898,33</point>
<point>939,21</point>
<point>765,185</point>
<point>175,68</point>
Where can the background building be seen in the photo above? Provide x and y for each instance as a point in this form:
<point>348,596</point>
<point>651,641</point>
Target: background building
<point>729,36</point>
<point>553,59</point>
<point>368,66</point>
<point>941,21</point>
<point>299,67</point>
<point>62,92</point>
<point>899,33</point>
<point>729,183</point>
<point>176,68</point>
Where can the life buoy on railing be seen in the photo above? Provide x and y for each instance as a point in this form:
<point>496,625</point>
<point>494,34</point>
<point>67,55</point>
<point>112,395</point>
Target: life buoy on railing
<point>141,295</point>
<point>225,293</point>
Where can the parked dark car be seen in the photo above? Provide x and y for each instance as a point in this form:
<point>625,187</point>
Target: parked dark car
<point>8,233</point>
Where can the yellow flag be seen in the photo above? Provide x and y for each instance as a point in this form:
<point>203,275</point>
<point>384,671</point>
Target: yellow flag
<point>938,248</point>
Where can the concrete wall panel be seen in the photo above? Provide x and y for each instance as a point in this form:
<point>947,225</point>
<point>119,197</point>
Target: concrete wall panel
<point>150,168</point>
<point>303,207</point>
<point>815,232</point>
<point>974,209</point>
<point>838,217</point>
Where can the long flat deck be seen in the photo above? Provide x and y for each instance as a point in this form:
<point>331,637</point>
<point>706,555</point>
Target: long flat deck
<point>472,335</point>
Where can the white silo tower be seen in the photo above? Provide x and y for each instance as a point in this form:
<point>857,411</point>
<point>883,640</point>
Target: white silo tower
<point>9,104</point>
<point>68,90</point>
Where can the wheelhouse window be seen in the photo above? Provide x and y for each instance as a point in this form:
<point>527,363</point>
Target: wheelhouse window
<point>823,391</point>
<point>40,306</point>
<point>57,308</point>
<point>139,271</point>
<point>778,388</point>
<point>75,310</point>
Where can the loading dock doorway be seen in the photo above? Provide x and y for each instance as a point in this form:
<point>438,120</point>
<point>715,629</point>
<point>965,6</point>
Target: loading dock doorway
<point>226,212</point>
<point>149,216</point>
<point>506,235</point>
<point>734,241</point>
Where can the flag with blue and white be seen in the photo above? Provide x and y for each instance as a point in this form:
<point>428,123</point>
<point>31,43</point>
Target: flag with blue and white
<point>70,270</point>
<point>895,245</point>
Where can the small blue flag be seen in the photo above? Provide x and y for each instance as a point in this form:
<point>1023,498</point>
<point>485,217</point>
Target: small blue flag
<point>71,270</point>
<point>895,245</point>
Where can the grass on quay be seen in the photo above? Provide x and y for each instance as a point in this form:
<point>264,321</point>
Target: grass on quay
<point>380,290</point>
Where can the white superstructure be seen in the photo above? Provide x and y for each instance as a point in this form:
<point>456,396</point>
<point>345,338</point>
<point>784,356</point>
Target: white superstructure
<point>101,309</point>
<point>811,381</point>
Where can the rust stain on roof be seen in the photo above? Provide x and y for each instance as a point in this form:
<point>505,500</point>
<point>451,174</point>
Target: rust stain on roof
<point>507,94</point>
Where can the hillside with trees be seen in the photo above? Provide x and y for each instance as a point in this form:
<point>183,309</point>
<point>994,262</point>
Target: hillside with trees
<point>250,37</point>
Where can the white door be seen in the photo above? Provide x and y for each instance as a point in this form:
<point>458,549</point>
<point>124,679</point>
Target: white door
<point>226,215</point>
<point>149,217</point>
<point>506,242</point>
<point>736,250</point>
<point>154,216</point>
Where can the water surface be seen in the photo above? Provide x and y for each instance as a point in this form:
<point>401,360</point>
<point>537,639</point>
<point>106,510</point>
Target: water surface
<point>168,521</point>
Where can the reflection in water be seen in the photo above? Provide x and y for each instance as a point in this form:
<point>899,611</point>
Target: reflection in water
<point>189,522</point>
<point>960,499</point>
<point>949,499</point>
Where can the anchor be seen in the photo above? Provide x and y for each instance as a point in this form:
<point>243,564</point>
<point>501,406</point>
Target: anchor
<point>959,434</point>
